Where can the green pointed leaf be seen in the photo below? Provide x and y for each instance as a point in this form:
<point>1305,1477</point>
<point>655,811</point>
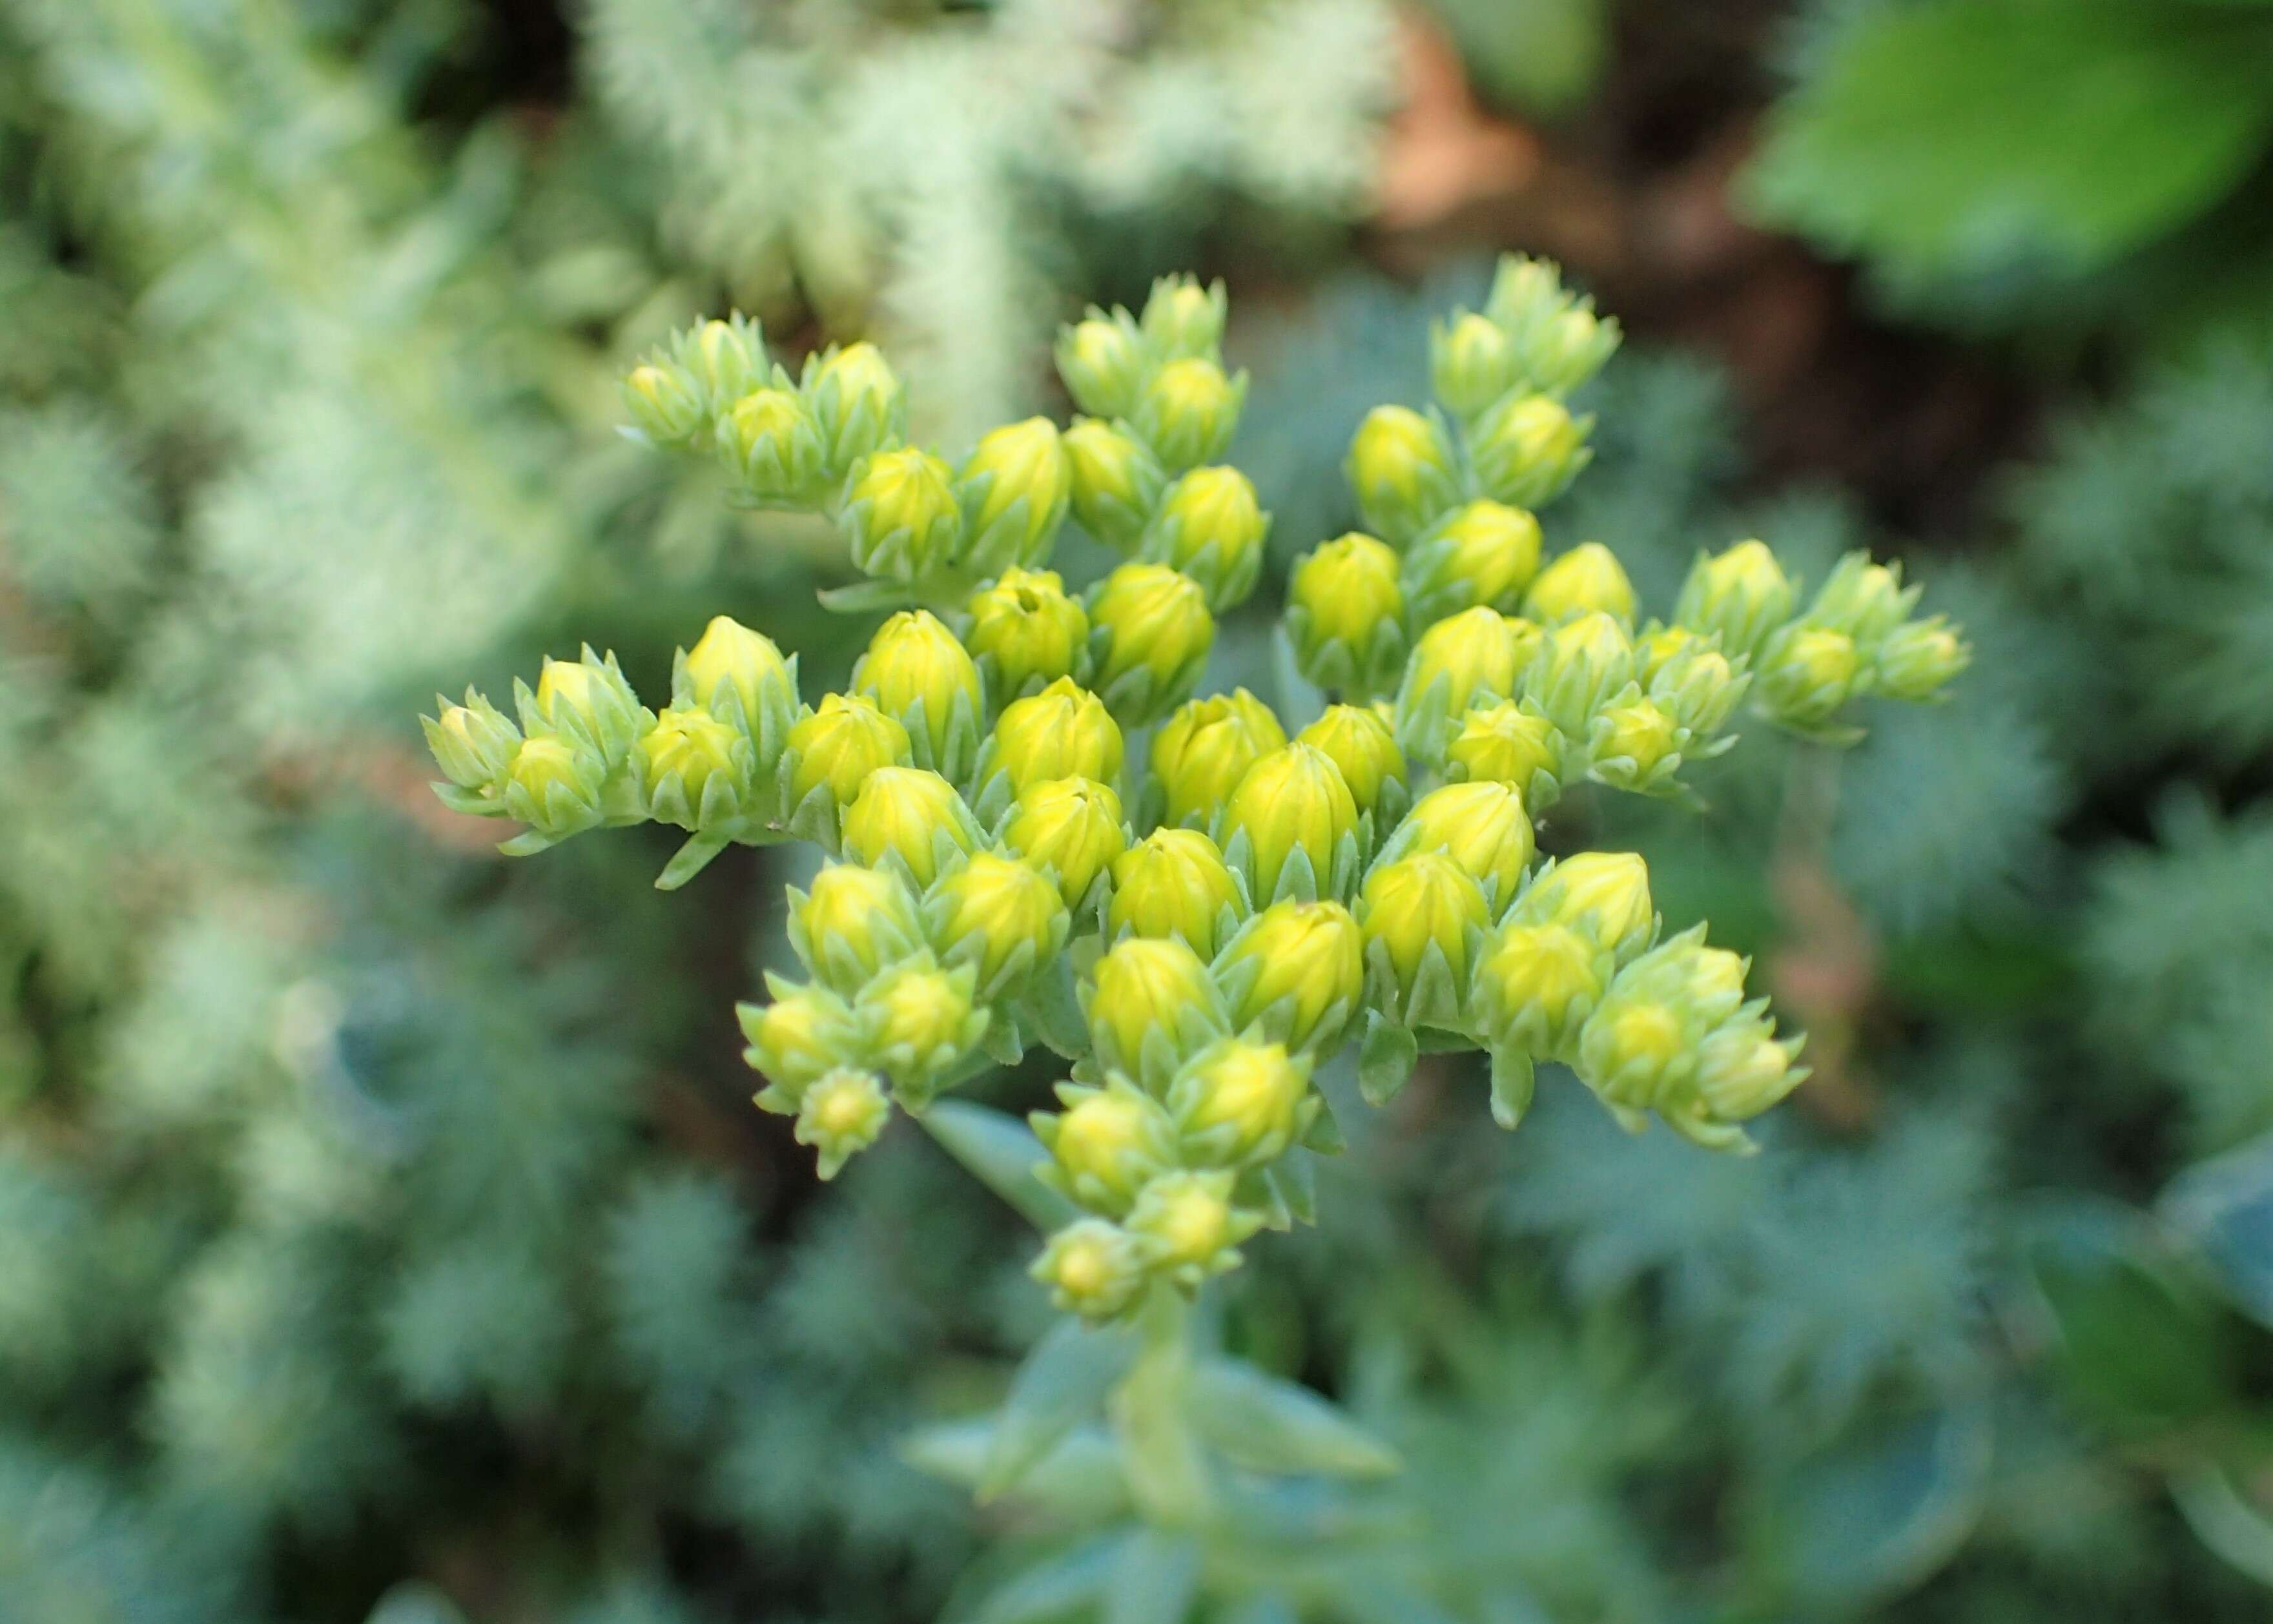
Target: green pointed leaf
<point>1058,1589</point>
<point>2225,1207</point>
<point>1267,1425</point>
<point>1514,1080</point>
<point>1156,1578</point>
<point>688,861</point>
<point>1385,1059</point>
<point>1002,1153</point>
<point>1063,1384</point>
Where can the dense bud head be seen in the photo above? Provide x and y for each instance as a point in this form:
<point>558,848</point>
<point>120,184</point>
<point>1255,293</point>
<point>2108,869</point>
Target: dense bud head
<point>1918,658</point>
<point>1348,588</point>
<point>1174,884</point>
<point>1865,599</point>
<point>1292,803</point>
<point>1102,361</point>
<point>1212,528</point>
<point>858,402</point>
<point>771,444</point>
<point>838,745</point>
<point>1201,753</point>
<point>693,746</point>
<point>1000,916</point>
<point>1093,1268</point>
<point>1587,579</point>
<point>1472,363</point>
<point>1358,740</point>
<point>911,814</point>
<point>1534,983</point>
<point>1064,731</point>
<point>1295,970</point>
<point>1183,319</point>
<point>902,513</point>
<point>1117,482</point>
<point>1482,826</point>
<point>1106,1143</point>
<point>1069,826</point>
<point>1603,896</point>
<point>1186,1226</point>
<point>1576,669</point>
<point>804,1033</point>
<point>665,402</point>
<point>919,1021</point>
<point>1741,595</point>
<point>1240,1102</point>
<point>1150,1004</point>
<point>728,655</point>
<point>841,1115</point>
<point>1421,902</point>
<point>852,922</point>
<point>1401,469</point>
<point>1527,449</point>
<point>1807,674</point>
<point>1155,631</point>
<point>1013,487</point>
<point>473,744</point>
<point>1505,743</point>
<point>916,670</point>
<point>1480,553</point>
<point>1187,410</point>
<point>1741,1069</point>
<point>1025,631</point>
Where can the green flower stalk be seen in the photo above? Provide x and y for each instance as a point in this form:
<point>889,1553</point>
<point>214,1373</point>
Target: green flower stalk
<point>1587,579</point>
<point>900,516</point>
<point>1358,740</point>
<point>1346,616</point>
<point>919,671</point>
<point>1403,471</point>
<point>1291,828</point>
<point>1116,482</point>
<point>1150,633</point>
<point>1482,553</point>
<point>1174,885</point>
<point>1025,633</point>
<point>1211,528</point>
<point>1295,972</point>
<point>1151,1006</point>
<point>1013,487</point>
<point>1187,411</point>
<point>857,404</point>
<point>1003,919</point>
<point>1526,451</point>
<point>1422,916</point>
<point>1202,751</point>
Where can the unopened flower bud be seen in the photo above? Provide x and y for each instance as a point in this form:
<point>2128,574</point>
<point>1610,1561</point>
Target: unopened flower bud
<point>799,1038</point>
<point>1480,826</point>
<point>1186,1226</point>
<point>697,771</point>
<point>1420,915</point>
<point>1295,971</point>
<point>1636,1051</point>
<point>770,444</point>
<point>1603,896</point>
<point>1535,985</point>
<point>1918,658</point>
<point>1527,449</point>
<point>1587,579</point>
<point>473,745</point>
<point>1470,659</point>
<point>1014,487</point>
<point>901,515</point>
<point>1151,1005</point>
<point>739,675</point>
<point>1345,615</point>
<point>1105,1144</point>
<point>1741,1069</point>
<point>1183,319</point>
<point>1480,553</point>
<point>1187,411</point>
<point>1471,362</point>
<point>852,922</point>
<point>841,1115</point>
<point>1808,672</point>
<point>725,360</point>
<point>589,702</point>
<point>915,669</point>
<point>1201,753</point>
<point>1071,829</point>
<point>1865,599</point>
<point>1697,686</point>
<point>1025,633</point>
<point>1357,739</point>
<point>918,1021</point>
<point>1577,668</point>
<point>1509,744</point>
<point>1093,1268</point>
<point>1002,918</point>
<point>1524,292</point>
<point>1402,470</point>
<point>858,402</point>
<point>1102,360</point>
<point>1741,595</point>
<point>912,818</point>
<point>1211,528</point>
<point>1291,827</point>
<point>666,403</point>
<point>1563,351</point>
<point>1174,885</point>
<point>1117,482</point>
<point>1150,633</point>
<point>1242,1103</point>
<point>832,750</point>
<point>554,787</point>
<point>1064,731</point>
<point>1635,747</point>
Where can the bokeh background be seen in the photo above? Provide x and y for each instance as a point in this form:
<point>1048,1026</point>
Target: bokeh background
<point>385,1232</point>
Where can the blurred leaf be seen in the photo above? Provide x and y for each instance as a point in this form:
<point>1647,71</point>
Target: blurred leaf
<point>2225,1208</point>
<point>2230,1523</point>
<point>1002,1153</point>
<point>1276,1427</point>
<point>1541,55</point>
<point>1154,1580</point>
<point>1063,1384</point>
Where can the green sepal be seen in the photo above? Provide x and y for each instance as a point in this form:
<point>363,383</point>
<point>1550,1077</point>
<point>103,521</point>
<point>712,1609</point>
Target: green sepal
<point>1437,996</point>
<point>1295,1177</point>
<point>1003,1040</point>
<point>1514,1080</point>
<point>1051,1009</point>
<point>1385,1059</point>
<point>1257,1194</point>
<point>1324,1136</point>
<point>1013,540</point>
<point>528,842</point>
<point>471,803</point>
<point>690,860</point>
<point>1357,672</point>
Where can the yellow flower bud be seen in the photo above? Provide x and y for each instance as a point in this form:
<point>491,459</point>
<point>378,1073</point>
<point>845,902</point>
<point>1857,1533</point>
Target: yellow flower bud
<point>1524,292</point>
<point>1587,579</point>
<point>1420,916</point>
<point>1635,747</point>
<point>999,915</point>
<point>1105,1144</point>
<point>1241,1102</point>
<point>1013,489</point>
<point>1102,360</point>
<point>696,770</point>
<point>1470,659</point>
<point>918,1021</point>
<point>1807,674</point>
<point>1577,668</point>
<point>1482,553</point>
<point>1151,1006</point>
<point>1295,970</point>
<point>901,514</point>
<point>1635,1052</point>
<point>1291,827</point>
<point>1565,350</point>
<point>1151,634</point>
<point>1183,319</point>
<point>1741,1069</point>
<point>1186,1226</point>
<point>1506,744</point>
<point>1117,483</point>
<point>836,747</point>
<point>911,816</point>
<point>857,403</point>
<point>1534,984</point>
<point>1071,829</point>
<point>1093,1268</point>
<point>1471,362</point>
<point>553,787</point>
<point>1025,633</point>
<point>915,669</point>
<point>729,659</point>
<point>1603,896</point>
<point>1741,595</point>
<point>1918,658</point>
<point>771,443</point>
<point>1202,751</point>
<point>473,745</point>
<point>1064,731</point>
<point>1212,530</point>
<point>1402,470</point>
<point>1480,826</point>
<point>1187,410</point>
<point>1527,449</point>
<point>852,923</point>
<point>665,403</point>
<point>801,1035</point>
<point>841,1115</point>
<point>1865,599</point>
<point>1174,884</point>
<point>588,702</point>
<point>725,360</point>
<point>1346,614</point>
<point>1696,683</point>
<point>1357,739</point>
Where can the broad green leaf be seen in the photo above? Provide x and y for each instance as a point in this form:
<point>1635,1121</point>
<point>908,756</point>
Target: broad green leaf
<point>1261,1422</point>
<point>1063,1384</point>
<point>1155,1579</point>
<point>1002,1153</point>
<point>1955,134</point>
